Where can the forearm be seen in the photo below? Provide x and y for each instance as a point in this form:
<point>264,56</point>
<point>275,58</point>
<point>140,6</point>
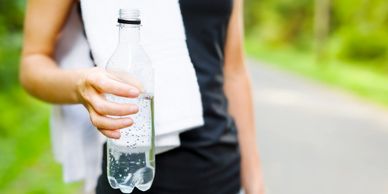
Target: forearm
<point>41,77</point>
<point>238,91</point>
<point>39,74</point>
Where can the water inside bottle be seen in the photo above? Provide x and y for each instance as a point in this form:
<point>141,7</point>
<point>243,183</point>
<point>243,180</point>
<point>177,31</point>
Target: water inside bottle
<point>131,159</point>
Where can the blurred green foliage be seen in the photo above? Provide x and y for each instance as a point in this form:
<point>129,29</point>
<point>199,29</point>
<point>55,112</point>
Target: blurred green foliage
<point>365,46</point>
<point>281,32</point>
<point>11,19</point>
<point>359,28</point>
<point>278,22</point>
<point>26,162</point>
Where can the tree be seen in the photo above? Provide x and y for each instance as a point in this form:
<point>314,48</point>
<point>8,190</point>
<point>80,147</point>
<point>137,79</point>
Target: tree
<point>321,27</point>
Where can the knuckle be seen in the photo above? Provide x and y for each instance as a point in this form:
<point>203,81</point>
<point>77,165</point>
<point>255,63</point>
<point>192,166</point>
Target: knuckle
<point>133,109</point>
<point>90,78</point>
<point>117,110</point>
<point>121,123</point>
<point>99,107</point>
<point>102,83</point>
<point>115,88</point>
<point>116,124</point>
<point>86,96</point>
<point>95,121</point>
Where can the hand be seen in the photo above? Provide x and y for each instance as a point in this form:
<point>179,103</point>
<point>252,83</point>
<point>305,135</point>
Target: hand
<point>254,186</point>
<point>251,176</point>
<point>92,85</point>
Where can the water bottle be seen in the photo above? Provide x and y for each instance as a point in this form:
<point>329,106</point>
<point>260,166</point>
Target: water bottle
<point>131,159</point>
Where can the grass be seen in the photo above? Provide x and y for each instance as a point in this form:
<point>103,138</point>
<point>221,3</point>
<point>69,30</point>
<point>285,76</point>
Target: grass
<point>364,79</point>
<point>27,165</point>
<point>26,162</point>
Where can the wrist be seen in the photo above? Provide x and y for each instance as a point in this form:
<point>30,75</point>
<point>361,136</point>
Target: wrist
<point>252,180</point>
<point>251,173</point>
<point>79,77</point>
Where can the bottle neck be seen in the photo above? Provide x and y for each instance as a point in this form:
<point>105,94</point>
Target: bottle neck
<point>129,33</point>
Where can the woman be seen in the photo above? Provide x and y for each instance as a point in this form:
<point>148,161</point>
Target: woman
<point>211,153</point>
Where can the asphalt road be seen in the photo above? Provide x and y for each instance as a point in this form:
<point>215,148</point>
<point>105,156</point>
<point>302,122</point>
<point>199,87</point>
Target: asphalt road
<point>318,140</point>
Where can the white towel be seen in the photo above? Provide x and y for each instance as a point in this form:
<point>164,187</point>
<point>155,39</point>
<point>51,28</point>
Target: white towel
<point>76,143</point>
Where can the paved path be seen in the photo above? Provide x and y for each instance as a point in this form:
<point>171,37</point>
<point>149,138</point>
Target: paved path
<point>317,140</point>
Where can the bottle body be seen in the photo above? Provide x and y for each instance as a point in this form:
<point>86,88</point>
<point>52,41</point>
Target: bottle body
<point>131,159</point>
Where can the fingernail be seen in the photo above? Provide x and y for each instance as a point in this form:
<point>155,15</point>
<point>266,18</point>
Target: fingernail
<point>135,108</point>
<point>128,122</point>
<point>116,134</point>
<point>134,91</point>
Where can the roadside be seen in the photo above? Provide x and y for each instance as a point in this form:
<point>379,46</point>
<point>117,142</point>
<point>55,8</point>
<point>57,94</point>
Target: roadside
<point>317,139</point>
<point>363,79</point>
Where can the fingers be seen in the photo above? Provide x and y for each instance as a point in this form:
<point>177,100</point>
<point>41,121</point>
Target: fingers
<point>105,84</point>
<point>114,134</point>
<point>91,90</point>
<point>104,107</point>
<point>108,126</point>
<point>109,123</point>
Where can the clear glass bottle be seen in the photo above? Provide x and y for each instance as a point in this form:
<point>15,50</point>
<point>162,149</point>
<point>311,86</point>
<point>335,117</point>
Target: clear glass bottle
<point>131,159</point>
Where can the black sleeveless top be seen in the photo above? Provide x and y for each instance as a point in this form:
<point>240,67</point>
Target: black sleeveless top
<point>206,23</point>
